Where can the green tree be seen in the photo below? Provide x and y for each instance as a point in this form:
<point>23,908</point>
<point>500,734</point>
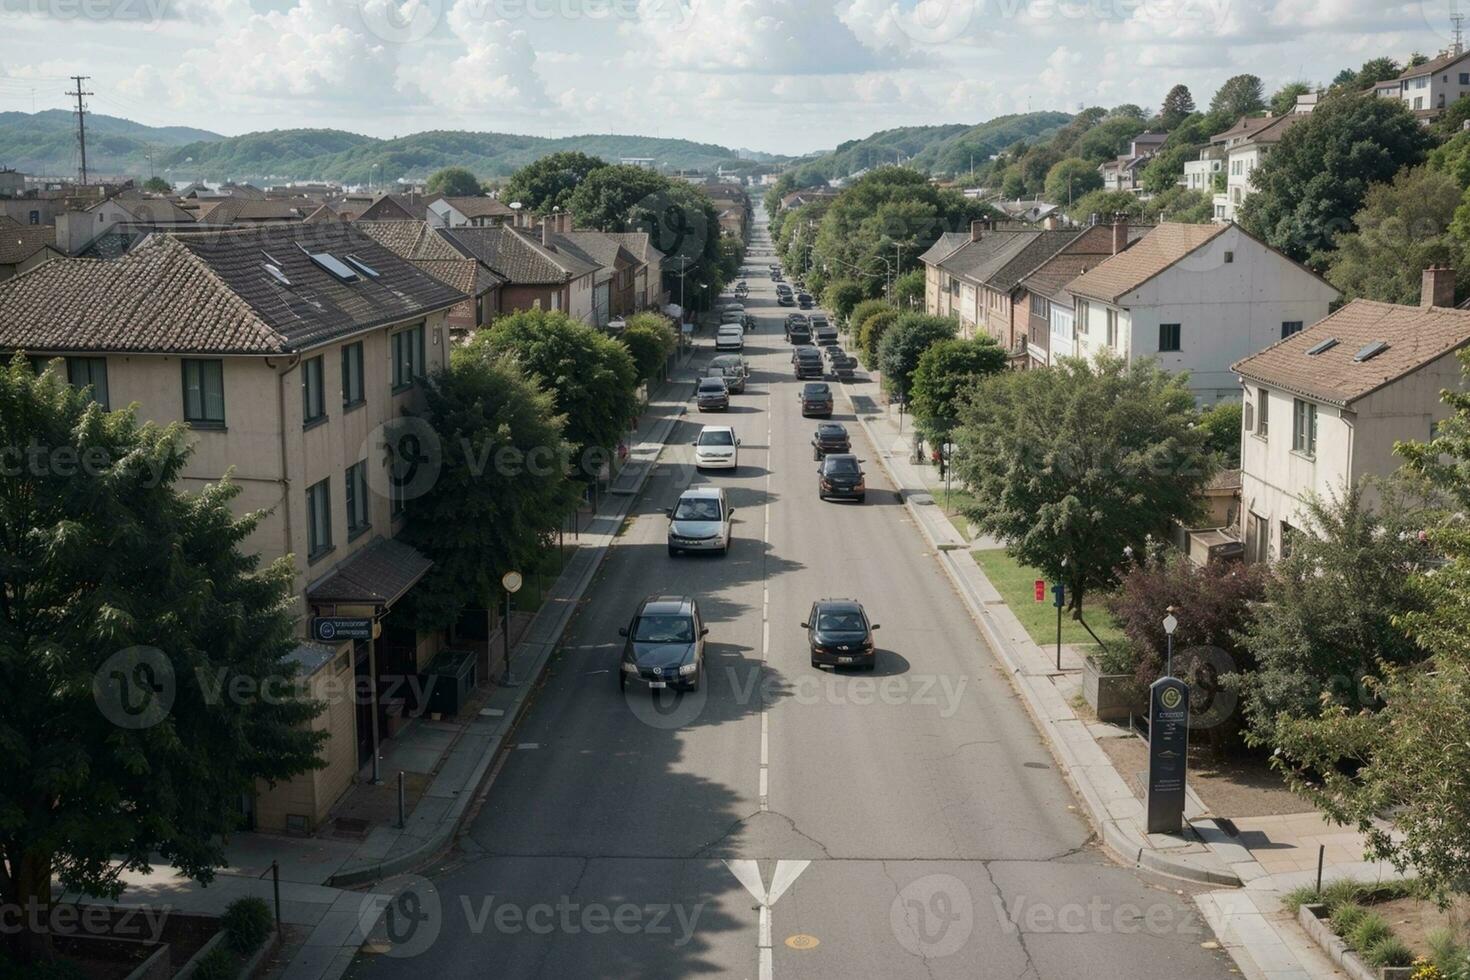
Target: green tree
<point>842,296</point>
<point>1283,103</point>
<point>945,372</point>
<point>870,335</point>
<point>1402,229</point>
<point>1316,179</point>
<point>1241,95</point>
<point>607,197</point>
<point>1327,620</point>
<point>1178,106</point>
<point>908,290</point>
<point>650,339</point>
<point>145,655</point>
<point>591,377</point>
<point>157,185</point>
<point>1070,464</point>
<point>862,311</point>
<point>1108,139</point>
<point>502,489</point>
<point>903,343</point>
<point>454,182</point>
<point>550,181</point>
<point>1105,204</point>
<point>1222,424</point>
<point>1374,71</point>
<point>1070,179</point>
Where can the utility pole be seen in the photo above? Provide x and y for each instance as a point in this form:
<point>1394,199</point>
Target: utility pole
<point>81,120</point>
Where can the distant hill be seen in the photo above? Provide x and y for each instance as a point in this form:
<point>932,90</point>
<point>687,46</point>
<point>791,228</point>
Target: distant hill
<point>938,149</point>
<point>46,142</point>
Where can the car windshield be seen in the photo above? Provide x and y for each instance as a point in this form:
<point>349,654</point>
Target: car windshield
<point>837,464</point>
<point>841,621</point>
<point>820,389</point>
<point>716,437</point>
<point>711,386</point>
<point>664,629</point>
<point>832,431</point>
<point>697,509</point>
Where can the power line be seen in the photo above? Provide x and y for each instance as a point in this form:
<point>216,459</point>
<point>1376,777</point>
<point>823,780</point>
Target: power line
<point>81,120</point>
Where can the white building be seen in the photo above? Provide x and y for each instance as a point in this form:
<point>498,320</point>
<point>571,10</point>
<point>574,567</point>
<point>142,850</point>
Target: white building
<point>1428,89</point>
<point>1245,145</point>
<point>1324,407</point>
<point>1195,298</point>
<point>1199,175</point>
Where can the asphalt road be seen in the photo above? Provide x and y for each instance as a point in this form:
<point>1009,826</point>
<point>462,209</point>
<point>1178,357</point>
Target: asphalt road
<point>634,836</point>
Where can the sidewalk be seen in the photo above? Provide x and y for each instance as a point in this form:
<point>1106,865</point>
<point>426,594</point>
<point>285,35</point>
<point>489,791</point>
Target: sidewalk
<point>1262,858</point>
<point>324,919</point>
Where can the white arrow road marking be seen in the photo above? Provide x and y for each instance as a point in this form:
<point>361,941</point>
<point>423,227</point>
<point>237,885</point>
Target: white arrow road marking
<point>748,873</point>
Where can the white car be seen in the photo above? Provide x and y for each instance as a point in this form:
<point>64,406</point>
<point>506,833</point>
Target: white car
<point>730,337</point>
<point>700,521</point>
<point>717,447</point>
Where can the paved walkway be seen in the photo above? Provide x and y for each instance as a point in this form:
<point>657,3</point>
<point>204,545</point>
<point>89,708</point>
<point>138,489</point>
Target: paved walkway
<point>1270,855</point>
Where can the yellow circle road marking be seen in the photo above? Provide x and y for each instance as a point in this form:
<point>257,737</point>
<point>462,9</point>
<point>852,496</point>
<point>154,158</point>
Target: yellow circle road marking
<point>801,941</point>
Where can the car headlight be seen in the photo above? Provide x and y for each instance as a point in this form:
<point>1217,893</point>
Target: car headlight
<point>687,669</point>
<point>629,667</point>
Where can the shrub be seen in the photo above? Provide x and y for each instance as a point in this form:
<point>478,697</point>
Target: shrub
<point>1388,952</point>
<point>1299,896</point>
<point>870,334</point>
<point>1345,916</point>
<point>1370,929</point>
<point>218,964</point>
<point>1448,959</point>
<point>247,923</point>
<point>1340,891</point>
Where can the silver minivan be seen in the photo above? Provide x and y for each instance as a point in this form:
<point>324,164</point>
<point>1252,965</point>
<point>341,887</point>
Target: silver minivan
<point>700,521</point>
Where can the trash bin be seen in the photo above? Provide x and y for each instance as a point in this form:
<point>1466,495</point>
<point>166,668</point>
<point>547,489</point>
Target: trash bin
<point>449,680</point>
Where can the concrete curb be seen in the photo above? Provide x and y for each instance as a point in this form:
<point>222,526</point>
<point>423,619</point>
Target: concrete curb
<point>448,826</point>
<point>1122,841</point>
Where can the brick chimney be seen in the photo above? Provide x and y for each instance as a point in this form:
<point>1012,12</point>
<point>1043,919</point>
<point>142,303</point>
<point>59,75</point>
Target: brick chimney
<point>1438,287</point>
<point>1120,232</point>
<point>546,231</point>
<point>977,229</point>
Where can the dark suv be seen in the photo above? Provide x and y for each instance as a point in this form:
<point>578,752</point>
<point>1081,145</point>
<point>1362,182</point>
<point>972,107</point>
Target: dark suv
<point>798,331</point>
<point>665,644</point>
<point>839,634</point>
<point>830,437</point>
<point>712,395</point>
<point>816,399</point>
<point>841,476</point>
<point>804,300</point>
<point>808,362</point>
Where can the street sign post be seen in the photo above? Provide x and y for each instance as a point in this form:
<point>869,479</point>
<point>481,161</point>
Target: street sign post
<point>1059,599</point>
<point>1168,754</point>
<point>511,582</point>
<point>331,629</point>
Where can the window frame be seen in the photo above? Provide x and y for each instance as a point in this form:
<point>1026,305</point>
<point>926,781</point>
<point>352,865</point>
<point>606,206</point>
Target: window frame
<point>319,538</point>
<point>1263,413</point>
<point>313,395</point>
<point>353,377</point>
<point>355,496</point>
<point>1178,336</point>
<point>1290,328</point>
<point>199,364</point>
<point>413,335</point>
<point>90,363</point>
<point>1304,427</point>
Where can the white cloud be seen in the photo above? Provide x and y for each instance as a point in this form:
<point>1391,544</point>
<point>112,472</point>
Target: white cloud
<point>754,36</point>
<point>496,71</point>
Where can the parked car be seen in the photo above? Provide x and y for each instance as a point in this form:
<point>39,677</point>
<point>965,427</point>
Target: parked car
<point>732,368</point>
<point>804,300</point>
<point>840,475</point>
<point>731,336</point>
<point>700,521</point>
<point>816,399</point>
<point>717,447</point>
<point>830,437</point>
<point>785,299</point>
<point>823,332</point>
<point>712,395</point>
<point>839,634</point>
<point>799,333</point>
<point>807,362</point>
<point>665,644</point>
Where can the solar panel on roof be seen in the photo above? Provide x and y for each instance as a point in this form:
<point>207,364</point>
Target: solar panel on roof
<point>334,265</point>
<point>363,267</point>
<point>1322,346</point>
<point>1371,351</point>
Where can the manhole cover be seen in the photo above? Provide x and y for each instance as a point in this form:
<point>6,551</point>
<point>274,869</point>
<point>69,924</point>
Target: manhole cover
<point>802,941</point>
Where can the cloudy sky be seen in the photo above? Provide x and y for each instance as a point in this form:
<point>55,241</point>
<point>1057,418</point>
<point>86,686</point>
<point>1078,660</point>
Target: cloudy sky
<point>777,75</point>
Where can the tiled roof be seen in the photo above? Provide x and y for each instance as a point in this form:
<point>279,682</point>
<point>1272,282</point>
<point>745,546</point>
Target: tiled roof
<point>211,293</point>
<point>410,239</point>
<point>640,246</point>
<point>513,253</point>
<point>112,244</point>
<point>240,209</point>
<point>398,207</point>
<point>944,247</point>
<point>148,210</point>
<point>1158,250</point>
<point>978,261</point>
<point>479,207</point>
<point>1260,129</point>
<point>1438,64</point>
<point>596,247</point>
<point>1042,246</point>
<point>20,242</point>
<point>1415,337</point>
<point>379,574</point>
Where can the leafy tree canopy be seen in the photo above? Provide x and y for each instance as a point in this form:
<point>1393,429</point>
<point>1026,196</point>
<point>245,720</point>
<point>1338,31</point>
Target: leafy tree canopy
<point>1222,423</point>
<point>842,296</point>
<point>870,335</point>
<point>1284,101</point>
<point>1241,95</point>
<point>945,372</point>
<point>454,182</point>
<point>1402,229</point>
<point>550,181</point>
<point>908,290</point>
<point>1178,106</point>
<point>650,339</point>
<point>157,185</point>
<point>905,342</point>
<point>1070,179</point>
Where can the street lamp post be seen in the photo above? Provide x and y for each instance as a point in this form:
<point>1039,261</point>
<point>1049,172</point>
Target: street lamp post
<point>1170,625</point>
<point>511,581</point>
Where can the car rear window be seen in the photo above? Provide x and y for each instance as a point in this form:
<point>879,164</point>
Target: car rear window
<point>816,389</point>
<point>711,384</point>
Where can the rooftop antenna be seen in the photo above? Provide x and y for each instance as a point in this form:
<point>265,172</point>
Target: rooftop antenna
<point>1458,19</point>
<point>81,120</point>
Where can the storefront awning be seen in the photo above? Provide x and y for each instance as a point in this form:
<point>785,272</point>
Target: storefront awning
<point>379,575</point>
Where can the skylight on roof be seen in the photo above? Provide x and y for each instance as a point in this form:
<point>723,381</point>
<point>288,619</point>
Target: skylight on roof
<point>276,273</point>
<point>363,267</point>
<point>1322,347</point>
<point>334,265</point>
<point>1371,351</point>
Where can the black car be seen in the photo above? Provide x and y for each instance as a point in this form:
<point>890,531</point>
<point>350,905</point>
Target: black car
<point>804,300</point>
<point>830,437</point>
<point>841,476</point>
<point>665,644</point>
<point>807,362</point>
<point>840,635</point>
<point>784,299</point>
<point>816,399</point>
<point>712,395</point>
<point>798,330</point>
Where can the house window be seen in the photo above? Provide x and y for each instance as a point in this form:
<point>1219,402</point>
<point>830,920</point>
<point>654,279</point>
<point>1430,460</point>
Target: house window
<point>352,375</point>
<point>355,480</point>
<point>1257,534</point>
<point>1304,427</point>
<point>204,393</point>
<point>1263,414</point>
<point>1230,256</point>
<point>408,356</point>
<point>1039,306</point>
<point>34,217</point>
<point>318,519</point>
<point>1169,336</point>
<point>1289,327</point>
<point>396,500</point>
<point>1419,102</point>
<point>313,404</point>
<point>1112,318</point>
<point>1288,534</point>
<point>84,371</point>
<point>1247,414</point>
<point>1465,78</point>
<point>1083,310</point>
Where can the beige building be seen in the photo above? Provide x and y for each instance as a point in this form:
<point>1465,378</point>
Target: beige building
<point>291,352</point>
<point>1324,407</point>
